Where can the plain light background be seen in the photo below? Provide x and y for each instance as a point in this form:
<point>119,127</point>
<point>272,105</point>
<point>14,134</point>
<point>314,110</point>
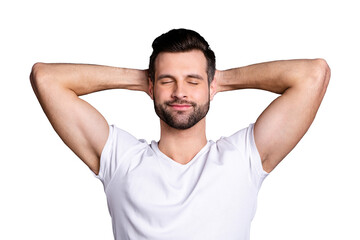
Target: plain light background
<point>48,193</point>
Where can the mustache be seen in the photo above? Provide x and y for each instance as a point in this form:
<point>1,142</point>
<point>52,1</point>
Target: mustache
<point>180,102</point>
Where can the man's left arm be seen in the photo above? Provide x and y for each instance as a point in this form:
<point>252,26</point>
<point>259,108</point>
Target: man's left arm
<point>302,85</point>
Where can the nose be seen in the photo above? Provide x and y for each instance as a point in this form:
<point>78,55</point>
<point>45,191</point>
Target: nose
<point>179,91</point>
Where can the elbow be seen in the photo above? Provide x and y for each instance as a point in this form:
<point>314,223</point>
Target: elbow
<point>38,74</point>
<point>317,77</point>
<point>321,73</point>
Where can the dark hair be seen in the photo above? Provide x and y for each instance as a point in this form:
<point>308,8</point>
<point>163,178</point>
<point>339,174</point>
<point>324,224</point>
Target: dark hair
<point>182,40</point>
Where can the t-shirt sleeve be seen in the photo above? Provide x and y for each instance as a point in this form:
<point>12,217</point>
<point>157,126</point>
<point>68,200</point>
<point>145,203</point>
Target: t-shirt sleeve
<point>254,155</point>
<point>244,140</point>
<point>116,146</point>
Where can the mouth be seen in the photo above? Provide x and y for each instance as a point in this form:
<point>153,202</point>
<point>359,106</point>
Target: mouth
<point>180,107</point>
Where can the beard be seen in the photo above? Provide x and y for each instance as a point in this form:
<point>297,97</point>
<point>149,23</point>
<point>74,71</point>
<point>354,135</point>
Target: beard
<point>181,119</point>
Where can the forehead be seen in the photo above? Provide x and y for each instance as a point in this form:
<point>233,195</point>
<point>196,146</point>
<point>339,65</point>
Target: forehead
<point>185,62</point>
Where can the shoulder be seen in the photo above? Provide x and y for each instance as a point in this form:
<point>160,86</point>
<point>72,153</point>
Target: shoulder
<point>118,150</point>
<point>240,139</point>
<point>122,137</point>
<point>239,145</point>
<point>240,151</point>
<point>120,142</point>
<point>243,142</point>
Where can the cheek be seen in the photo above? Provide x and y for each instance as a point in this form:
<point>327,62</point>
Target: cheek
<point>201,95</point>
<point>159,95</point>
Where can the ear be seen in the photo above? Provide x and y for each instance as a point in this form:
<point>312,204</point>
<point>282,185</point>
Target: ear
<point>213,88</point>
<point>151,89</point>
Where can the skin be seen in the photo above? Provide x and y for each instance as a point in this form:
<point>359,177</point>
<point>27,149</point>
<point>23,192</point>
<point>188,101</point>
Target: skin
<point>181,77</point>
<point>300,83</point>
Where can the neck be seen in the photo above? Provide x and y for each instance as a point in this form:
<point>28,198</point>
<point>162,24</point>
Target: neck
<point>182,145</point>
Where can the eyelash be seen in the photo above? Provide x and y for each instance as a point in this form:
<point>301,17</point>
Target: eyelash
<point>165,82</point>
<point>194,83</point>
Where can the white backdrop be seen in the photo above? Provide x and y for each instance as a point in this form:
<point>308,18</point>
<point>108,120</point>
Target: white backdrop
<point>48,193</point>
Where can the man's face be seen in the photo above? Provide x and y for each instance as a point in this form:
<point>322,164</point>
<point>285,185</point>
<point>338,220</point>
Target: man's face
<point>181,92</point>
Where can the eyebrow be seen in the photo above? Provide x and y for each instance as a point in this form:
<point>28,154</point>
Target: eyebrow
<point>162,76</point>
<point>197,76</point>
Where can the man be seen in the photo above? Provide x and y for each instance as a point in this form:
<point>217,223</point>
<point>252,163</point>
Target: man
<point>184,186</point>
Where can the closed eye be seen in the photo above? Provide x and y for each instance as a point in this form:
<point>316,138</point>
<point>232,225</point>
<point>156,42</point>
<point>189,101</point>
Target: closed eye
<point>194,83</point>
<point>194,79</point>
<point>166,81</point>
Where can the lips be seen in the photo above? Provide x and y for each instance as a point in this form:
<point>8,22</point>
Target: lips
<point>180,107</point>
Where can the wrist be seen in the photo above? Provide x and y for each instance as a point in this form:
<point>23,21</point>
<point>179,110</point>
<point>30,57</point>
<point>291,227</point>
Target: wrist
<point>132,79</point>
<point>231,79</point>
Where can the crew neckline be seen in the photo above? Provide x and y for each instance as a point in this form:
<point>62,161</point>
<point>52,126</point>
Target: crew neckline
<point>155,147</point>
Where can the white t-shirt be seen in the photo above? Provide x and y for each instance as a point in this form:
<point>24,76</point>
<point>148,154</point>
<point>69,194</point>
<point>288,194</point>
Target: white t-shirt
<point>150,196</point>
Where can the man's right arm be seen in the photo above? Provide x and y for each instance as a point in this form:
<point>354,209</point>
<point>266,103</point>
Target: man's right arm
<point>82,128</point>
